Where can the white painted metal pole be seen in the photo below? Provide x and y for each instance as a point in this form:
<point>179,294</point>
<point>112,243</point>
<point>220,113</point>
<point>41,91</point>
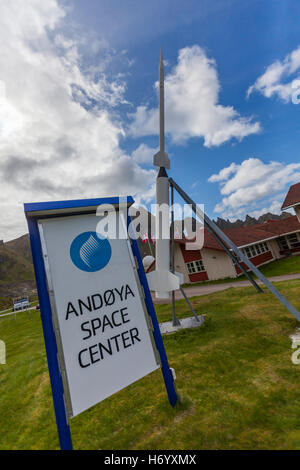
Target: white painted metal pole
<point>162,191</point>
<point>161,105</point>
<point>161,158</point>
<point>162,227</point>
<point>162,280</point>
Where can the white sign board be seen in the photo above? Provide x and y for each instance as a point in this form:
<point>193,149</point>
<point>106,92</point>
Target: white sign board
<point>102,333</point>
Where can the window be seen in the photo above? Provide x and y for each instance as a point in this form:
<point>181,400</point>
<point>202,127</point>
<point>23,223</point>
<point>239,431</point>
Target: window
<point>254,250</point>
<point>195,266</point>
<point>264,247</point>
<point>293,240</point>
<point>282,244</point>
<point>289,241</point>
<point>191,268</point>
<point>236,258</point>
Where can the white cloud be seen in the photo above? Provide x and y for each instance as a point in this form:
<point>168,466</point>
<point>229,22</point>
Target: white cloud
<point>144,154</point>
<point>280,79</point>
<point>249,186</point>
<point>274,208</point>
<point>192,108</point>
<point>223,174</point>
<point>58,134</point>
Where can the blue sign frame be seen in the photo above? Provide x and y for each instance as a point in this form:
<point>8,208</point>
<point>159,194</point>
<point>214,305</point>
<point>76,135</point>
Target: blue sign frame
<point>36,211</point>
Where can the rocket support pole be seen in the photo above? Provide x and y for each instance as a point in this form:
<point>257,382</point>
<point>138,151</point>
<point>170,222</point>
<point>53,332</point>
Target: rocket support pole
<point>162,226</point>
<point>162,280</point>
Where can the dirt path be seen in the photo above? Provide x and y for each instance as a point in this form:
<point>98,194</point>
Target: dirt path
<point>194,291</point>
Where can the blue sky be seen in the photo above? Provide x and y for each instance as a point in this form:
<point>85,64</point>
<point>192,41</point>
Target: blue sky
<point>79,114</point>
<point>243,38</point>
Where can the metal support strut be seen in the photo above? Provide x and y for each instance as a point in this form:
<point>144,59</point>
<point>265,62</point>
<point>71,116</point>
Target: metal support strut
<point>217,232</point>
<point>176,321</point>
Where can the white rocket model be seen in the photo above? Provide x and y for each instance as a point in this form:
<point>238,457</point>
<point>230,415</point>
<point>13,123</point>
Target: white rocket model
<point>161,158</point>
<point>162,280</point>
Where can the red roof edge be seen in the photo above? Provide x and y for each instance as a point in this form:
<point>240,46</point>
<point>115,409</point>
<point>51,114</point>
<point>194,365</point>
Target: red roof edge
<point>293,197</point>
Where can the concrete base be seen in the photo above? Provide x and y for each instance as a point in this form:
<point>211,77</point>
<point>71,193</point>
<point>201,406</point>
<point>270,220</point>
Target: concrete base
<point>190,322</point>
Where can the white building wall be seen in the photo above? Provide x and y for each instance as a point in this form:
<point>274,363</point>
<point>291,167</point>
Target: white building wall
<point>297,210</point>
<point>180,265</point>
<point>273,245</point>
<point>218,264</point>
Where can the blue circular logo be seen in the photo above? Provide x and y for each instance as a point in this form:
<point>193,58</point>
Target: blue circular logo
<point>89,252</point>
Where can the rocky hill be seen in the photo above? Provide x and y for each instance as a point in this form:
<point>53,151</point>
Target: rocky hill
<point>16,270</point>
<point>226,224</point>
<point>15,260</point>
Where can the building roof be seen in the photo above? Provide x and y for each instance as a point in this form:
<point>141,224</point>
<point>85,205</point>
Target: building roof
<point>283,226</point>
<point>244,236</point>
<point>293,197</point>
<point>210,242</point>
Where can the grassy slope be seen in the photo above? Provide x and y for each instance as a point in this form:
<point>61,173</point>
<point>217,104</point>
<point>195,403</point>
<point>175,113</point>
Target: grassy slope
<point>5,302</point>
<point>237,384</point>
<point>283,266</point>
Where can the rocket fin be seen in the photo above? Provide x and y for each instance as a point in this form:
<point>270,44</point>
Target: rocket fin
<point>163,281</point>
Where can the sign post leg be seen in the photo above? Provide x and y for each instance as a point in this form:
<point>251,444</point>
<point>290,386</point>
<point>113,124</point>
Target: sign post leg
<point>64,434</point>
<point>165,368</point>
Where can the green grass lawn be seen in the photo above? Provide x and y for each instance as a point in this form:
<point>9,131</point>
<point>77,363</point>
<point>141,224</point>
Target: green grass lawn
<point>278,267</point>
<point>238,387</point>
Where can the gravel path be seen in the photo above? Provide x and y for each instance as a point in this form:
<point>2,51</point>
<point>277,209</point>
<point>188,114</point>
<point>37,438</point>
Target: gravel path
<point>194,291</point>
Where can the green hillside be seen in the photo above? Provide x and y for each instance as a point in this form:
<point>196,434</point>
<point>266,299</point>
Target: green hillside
<point>15,261</point>
<point>237,385</point>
